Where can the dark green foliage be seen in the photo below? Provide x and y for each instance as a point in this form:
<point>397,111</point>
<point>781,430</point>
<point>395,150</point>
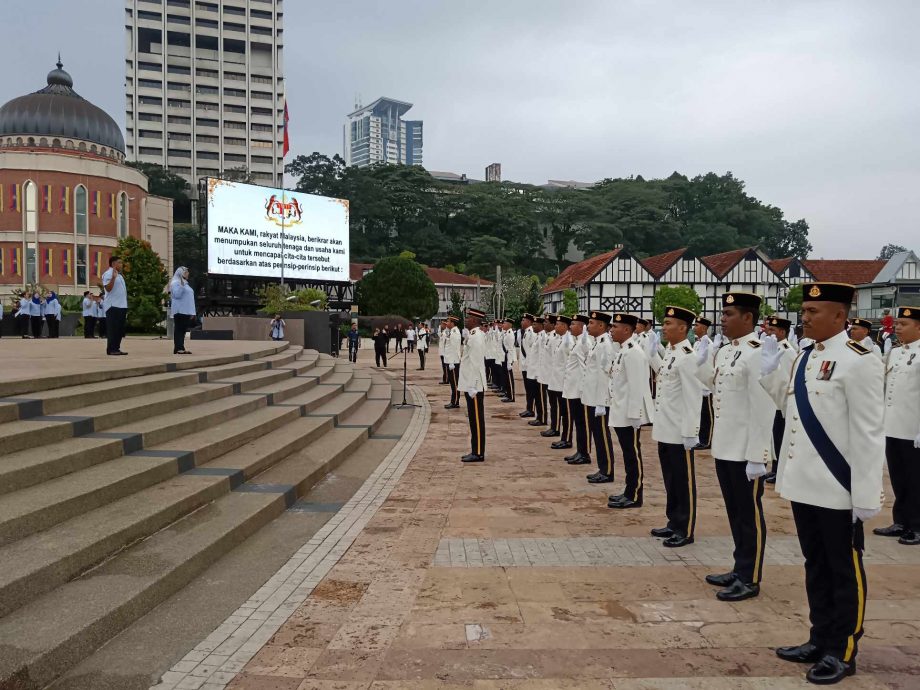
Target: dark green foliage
<point>456,305</point>
<point>675,296</point>
<point>793,299</point>
<point>397,285</point>
<point>889,250</point>
<point>569,303</point>
<point>146,280</point>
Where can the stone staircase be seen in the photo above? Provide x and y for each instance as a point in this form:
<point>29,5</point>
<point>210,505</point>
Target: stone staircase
<point>117,489</point>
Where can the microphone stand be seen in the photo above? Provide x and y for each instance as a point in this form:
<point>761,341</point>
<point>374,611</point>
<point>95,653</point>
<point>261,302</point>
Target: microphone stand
<point>404,403</point>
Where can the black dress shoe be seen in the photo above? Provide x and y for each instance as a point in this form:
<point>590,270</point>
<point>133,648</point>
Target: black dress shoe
<point>569,458</point>
<point>618,498</point>
<point>894,530</point>
<point>628,503</point>
<point>770,478</point>
<point>472,457</point>
<point>452,406</point>
<point>723,580</point>
<point>675,541</point>
<point>526,413</point>
<point>600,479</point>
<point>549,433</point>
<point>442,383</point>
<point>909,538</point>
<point>592,476</point>
<point>800,654</point>
<point>536,422</point>
<point>738,591</point>
<point>662,532</point>
<point>561,445</point>
<point>579,459</point>
<point>830,670</point>
<point>507,400</point>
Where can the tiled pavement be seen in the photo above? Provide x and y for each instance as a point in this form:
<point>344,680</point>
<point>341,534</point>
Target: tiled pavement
<point>403,608</point>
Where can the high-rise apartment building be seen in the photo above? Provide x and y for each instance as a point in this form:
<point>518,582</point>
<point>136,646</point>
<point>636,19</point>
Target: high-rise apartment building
<point>204,86</point>
<point>376,133</point>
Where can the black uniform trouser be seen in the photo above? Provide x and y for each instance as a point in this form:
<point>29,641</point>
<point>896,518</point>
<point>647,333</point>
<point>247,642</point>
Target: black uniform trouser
<point>628,438</point>
<point>54,327</point>
<point>380,353</point>
<point>115,322</point>
<point>352,353</point>
<point>475,409</point>
<point>529,391</point>
<point>180,328</point>
<point>421,358</point>
<point>835,580</point>
<point>743,503</point>
<point>443,370</point>
<point>89,326</point>
<point>103,328</point>
<point>678,469</point>
<point>509,382</point>
<point>603,445</point>
<point>541,402</point>
<point>904,471</point>
<point>779,428</point>
<point>553,397</point>
<point>490,369</point>
<point>579,414</point>
<point>22,325</point>
<point>565,418</point>
<point>37,325</point>
<point>706,421</point>
<point>452,379</point>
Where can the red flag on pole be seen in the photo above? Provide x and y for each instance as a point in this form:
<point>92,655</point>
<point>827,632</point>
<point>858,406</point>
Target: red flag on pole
<point>287,142</point>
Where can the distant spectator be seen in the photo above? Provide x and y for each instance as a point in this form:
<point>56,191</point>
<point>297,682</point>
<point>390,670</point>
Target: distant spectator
<point>53,315</point>
<point>182,306</point>
<point>411,335</point>
<point>381,339</point>
<point>398,334</point>
<point>277,328</point>
<point>423,336</point>
<point>36,318</point>
<point>23,314</point>
<point>89,315</point>
<point>354,342</point>
<point>887,322</point>
<point>115,305</point>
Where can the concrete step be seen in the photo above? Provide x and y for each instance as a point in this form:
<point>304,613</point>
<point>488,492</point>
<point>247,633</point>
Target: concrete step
<point>51,633</point>
<point>40,562</point>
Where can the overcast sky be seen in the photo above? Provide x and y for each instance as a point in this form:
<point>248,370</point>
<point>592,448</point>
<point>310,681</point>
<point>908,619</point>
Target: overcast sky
<point>814,104</point>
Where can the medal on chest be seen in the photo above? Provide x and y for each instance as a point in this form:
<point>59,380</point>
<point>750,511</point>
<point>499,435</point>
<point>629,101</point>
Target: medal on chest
<point>826,370</point>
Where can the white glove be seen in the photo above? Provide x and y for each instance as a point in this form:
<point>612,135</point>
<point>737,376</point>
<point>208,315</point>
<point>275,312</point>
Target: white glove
<point>703,351</point>
<point>718,340</point>
<point>651,344</point>
<point>770,355</point>
<point>510,366</point>
<point>472,392</point>
<point>754,470</point>
<point>917,441</point>
<point>450,367</point>
<point>634,423</point>
<point>793,339</point>
<point>886,348</point>
<point>691,442</point>
<point>600,411</point>
<point>761,335</point>
<point>865,514</point>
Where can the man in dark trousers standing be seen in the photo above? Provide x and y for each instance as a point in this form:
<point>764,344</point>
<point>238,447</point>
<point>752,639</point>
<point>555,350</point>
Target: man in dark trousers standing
<point>116,306</point>
<point>472,382</point>
<point>354,342</point>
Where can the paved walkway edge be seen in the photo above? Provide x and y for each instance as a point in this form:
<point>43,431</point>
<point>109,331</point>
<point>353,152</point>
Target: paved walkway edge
<point>216,660</point>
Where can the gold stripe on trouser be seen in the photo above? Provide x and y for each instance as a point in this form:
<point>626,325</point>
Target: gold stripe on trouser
<point>568,405</point>
<point>758,554</point>
<point>605,434</point>
<point>558,412</point>
<point>639,461</point>
<point>712,420</point>
<point>587,425</point>
<point>478,433</point>
<point>692,516</point>
<point>860,608</point>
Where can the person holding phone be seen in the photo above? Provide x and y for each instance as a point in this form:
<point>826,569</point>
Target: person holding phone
<point>115,306</point>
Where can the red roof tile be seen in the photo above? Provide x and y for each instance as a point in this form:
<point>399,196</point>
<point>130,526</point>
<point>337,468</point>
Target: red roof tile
<point>658,265</point>
<point>578,274</point>
<point>721,264</point>
<point>853,271</point>
<point>438,276</point>
<point>780,265</point>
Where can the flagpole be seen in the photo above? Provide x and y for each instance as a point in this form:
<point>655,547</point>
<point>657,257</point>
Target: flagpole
<point>283,200</point>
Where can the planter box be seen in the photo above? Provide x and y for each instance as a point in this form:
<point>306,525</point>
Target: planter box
<point>313,330</point>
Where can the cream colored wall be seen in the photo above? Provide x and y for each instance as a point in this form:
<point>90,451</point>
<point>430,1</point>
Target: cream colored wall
<point>157,228</point>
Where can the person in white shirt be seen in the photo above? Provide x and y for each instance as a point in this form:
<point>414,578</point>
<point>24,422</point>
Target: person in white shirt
<point>22,315</point>
<point>410,338</point>
<point>830,469</point>
<point>36,315</point>
<point>276,329</point>
<point>861,332</point>
<point>528,341</point>
<point>99,308</point>
<point>535,371</point>
<point>472,382</point>
<point>451,347</point>
<point>548,374</point>
<point>89,315</point>
<point>676,426</point>
<point>572,381</point>
<point>420,338</point>
<point>780,329</point>
<point>701,330</point>
<point>902,428</point>
<point>510,352</point>
<point>53,315</point>
<point>182,306</point>
<point>116,306</point>
<point>630,406</point>
<point>595,394</point>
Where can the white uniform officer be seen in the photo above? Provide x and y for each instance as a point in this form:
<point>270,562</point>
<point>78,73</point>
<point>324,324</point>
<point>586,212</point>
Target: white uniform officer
<point>830,468</point>
<point>780,329</point>
<point>552,376</point>
<point>630,406</point>
<point>535,371</point>
<point>742,425</point>
<point>677,426</point>
<point>510,354</point>
<point>902,428</point>
<point>472,382</point>
<point>451,346</point>
<point>571,391</point>
<point>557,380</point>
<point>527,341</point>
<point>701,330</point>
<point>595,394</point>
<point>861,332</point>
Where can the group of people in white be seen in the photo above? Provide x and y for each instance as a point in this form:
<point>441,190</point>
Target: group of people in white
<point>818,416</point>
<point>34,311</point>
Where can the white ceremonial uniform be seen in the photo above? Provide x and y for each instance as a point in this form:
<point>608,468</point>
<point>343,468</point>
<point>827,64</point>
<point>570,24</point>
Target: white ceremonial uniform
<point>596,378</point>
<point>507,343</point>
<point>473,384</point>
<point>450,345</point>
<point>535,357</point>
<point>88,307</point>
<point>902,392</point>
<point>870,344</point>
<point>629,392</point>
<point>679,395</point>
<point>575,368</point>
<point>564,347</point>
<point>845,388</point>
<point>528,340</point>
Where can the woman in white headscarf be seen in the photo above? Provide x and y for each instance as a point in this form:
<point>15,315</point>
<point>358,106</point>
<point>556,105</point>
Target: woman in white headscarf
<point>182,308</point>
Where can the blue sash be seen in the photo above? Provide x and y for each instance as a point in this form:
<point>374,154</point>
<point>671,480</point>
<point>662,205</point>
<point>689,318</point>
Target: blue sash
<point>835,462</point>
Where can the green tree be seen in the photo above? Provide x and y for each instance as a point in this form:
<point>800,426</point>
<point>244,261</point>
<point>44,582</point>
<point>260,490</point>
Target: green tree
<point>766,309</point>
<point>397,285</point>
<point>533,300</point>
<point>190,250</point>
<point>675,296</point>
<point>163,182</point>
<point>569,302</point>
<point>889,250</point>
<point>146,280</point>
<point>793,299</point>
<point>275,299</point>
<point>457,305</point>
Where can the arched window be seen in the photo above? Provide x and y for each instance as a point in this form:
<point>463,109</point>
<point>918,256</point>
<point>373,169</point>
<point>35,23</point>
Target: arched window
<point>122,215</point>
<point>56,143</point>
<point>18,141</point>
<point>82,146</point>
<point>93,148</point>
<point>31,141</point>
<point>68,145</point>
<point>30,230</point>
<point>43,142</point>
<point>81,230</point>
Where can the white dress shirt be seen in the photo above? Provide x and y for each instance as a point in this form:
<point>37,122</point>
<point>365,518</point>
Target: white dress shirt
<point>902,392</point>
<point>679,396</point>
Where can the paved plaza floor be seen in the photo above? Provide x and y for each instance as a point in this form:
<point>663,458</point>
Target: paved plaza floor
<point>514,574</point>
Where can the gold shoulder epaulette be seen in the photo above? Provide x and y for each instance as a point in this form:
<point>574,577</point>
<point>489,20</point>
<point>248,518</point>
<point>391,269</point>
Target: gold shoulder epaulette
<point>857,348</point>
<point>629,345</point>
<point>687,350</point>
<point>754,343</point>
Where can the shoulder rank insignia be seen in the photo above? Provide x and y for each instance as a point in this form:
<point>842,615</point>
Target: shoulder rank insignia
<point>754,343</point>
<point>785,346</point>
<point>687,350</point>
<point>630,345</point>
<point>857,348</point>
